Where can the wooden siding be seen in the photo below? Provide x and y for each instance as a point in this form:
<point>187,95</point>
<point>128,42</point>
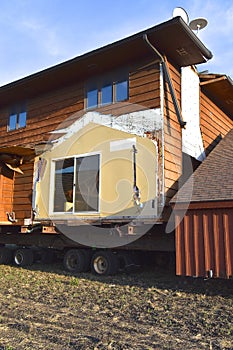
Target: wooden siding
<point>47,112</point>
<point>22,195</point>
<point>144,85</point>
<point>204,243</point>
<point>215,124</point>
<point>57,109</point>
<point>6,192</point>
<point>44,114</point>
<point>16,193</point>
<point>144,91</point>
<point>172,136</point>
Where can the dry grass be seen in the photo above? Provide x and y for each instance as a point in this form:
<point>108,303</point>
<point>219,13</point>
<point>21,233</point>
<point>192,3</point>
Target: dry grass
<point>47,308</point>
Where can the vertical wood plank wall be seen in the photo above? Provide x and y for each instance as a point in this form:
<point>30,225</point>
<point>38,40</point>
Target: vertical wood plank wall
<point>204,243</point>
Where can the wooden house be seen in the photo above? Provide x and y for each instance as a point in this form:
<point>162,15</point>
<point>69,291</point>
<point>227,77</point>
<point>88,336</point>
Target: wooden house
<point>105,137</point>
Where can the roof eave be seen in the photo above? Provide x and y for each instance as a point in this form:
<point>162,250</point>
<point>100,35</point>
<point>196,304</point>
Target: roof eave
<point>63,70</point>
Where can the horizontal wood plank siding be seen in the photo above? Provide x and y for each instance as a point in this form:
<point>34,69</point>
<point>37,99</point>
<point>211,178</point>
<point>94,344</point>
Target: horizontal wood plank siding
<point>215,124</point>
<point>48,112</point>
<point>172,136</point>
<point>44,114</point>
<point>144,85</point>
<point>58,109</point>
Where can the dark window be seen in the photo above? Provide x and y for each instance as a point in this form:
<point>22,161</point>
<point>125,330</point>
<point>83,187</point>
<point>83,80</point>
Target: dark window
<point>12,122</point>
<point>17,120</point>
<point>106,94</point>
<point>121,90</point>
<point>64,183</point>
<point>87,184</point>
<point>22,118</point>
<point>92,98</point>
<point>85,181</point>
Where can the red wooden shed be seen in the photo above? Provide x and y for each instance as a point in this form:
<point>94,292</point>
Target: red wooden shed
<point>204,233</point>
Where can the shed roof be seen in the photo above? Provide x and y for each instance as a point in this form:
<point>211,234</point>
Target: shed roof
<point>172,38</point>
<point>213,179</point>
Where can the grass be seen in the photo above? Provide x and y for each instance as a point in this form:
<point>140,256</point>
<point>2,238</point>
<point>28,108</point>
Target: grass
<point>48,308</point>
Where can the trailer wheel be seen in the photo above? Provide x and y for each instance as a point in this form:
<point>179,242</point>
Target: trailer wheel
<point>129,261</point>
<point>6,255</point>
<point>75,260</point>
<point>104,263</point>
<point>23,257</point>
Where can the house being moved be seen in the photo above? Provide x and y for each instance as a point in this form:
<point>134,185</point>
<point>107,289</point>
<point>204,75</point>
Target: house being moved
<point>104,141</point>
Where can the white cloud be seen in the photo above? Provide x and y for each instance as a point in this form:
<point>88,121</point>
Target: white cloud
<point>44,37</point>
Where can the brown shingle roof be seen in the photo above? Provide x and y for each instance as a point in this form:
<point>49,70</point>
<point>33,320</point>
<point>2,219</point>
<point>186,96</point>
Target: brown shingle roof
<point>213,179</point>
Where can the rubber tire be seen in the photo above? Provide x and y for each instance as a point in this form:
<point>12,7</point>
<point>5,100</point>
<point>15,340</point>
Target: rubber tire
<point>104,263</point>
<point>23,257</point>
<point>6,256</point>
<point>130,262</point>
<point>75,260</point>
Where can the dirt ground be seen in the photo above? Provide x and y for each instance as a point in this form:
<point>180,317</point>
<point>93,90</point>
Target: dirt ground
<point>45,307</point>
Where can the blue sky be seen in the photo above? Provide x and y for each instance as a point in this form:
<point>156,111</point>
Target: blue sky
<point>37,34</point>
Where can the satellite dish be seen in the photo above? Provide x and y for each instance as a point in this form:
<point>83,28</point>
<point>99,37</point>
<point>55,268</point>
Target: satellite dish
<point>198,23</point>
<point>180,12</point>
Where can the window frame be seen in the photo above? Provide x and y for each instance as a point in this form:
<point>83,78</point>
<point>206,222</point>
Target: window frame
<point>11,121</point>
<point>17,112</point>
<point>89,91</point>
<point>100,97</point>
<point>20,114</point>
<point>52,187</point>
<point>118,82</point>
<point>98,83</point>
